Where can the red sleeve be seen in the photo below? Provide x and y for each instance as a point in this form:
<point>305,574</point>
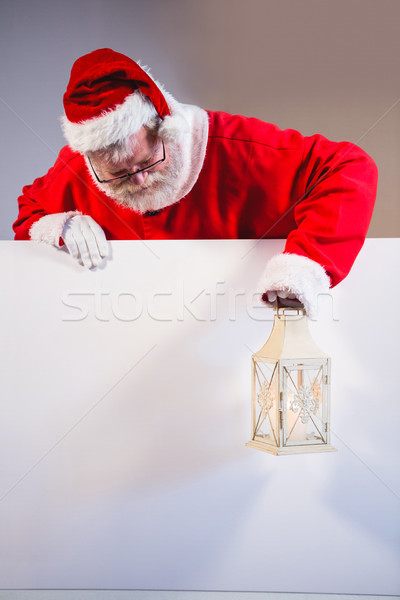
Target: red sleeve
<point>334,204</point>
<point>29,212</point>
<point>44,196</point>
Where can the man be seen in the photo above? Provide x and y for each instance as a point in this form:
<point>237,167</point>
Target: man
<point>141,165</point>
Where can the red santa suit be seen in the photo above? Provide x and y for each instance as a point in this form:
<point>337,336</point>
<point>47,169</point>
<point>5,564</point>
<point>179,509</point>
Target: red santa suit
<point>241,178</point>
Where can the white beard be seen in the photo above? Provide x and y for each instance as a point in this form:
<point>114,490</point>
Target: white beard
<point>158,191</point>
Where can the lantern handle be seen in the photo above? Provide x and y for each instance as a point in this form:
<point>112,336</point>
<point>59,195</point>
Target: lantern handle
<point>280,309</point>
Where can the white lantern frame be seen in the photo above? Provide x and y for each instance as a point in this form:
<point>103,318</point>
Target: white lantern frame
<point>290,412</point>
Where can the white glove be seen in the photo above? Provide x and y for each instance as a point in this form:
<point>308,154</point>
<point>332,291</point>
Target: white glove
<point>296,281</point>
<point>85,241</point>
<point>284,298</point>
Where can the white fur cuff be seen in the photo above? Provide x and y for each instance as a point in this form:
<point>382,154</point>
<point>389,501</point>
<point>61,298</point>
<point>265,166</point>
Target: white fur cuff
<point>49,228</point>
<point>297,275</point>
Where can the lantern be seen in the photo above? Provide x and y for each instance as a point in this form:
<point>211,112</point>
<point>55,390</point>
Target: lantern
<point>290,389</point>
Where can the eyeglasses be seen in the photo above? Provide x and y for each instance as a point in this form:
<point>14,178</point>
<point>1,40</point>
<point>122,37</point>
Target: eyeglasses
<point>127,175</point>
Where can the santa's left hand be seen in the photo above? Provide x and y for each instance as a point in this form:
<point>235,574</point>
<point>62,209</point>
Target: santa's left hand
<point>284,299</point>
<point>296,281</point>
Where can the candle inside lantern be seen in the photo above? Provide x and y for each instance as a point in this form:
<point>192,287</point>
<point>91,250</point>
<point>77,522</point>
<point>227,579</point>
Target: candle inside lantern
<point>296,430</point>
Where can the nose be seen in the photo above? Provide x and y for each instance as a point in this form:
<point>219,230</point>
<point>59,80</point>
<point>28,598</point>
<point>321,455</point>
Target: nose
<point>139,178</point>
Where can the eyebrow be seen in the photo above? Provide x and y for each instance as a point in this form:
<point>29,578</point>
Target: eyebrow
<point>143,162</point>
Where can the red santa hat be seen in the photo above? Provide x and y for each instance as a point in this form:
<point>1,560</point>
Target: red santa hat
<point>109,97</point>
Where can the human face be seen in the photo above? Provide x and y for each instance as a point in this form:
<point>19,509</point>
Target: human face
<point>148,190</point>
<point>144,157</point>
<point>150,165</point>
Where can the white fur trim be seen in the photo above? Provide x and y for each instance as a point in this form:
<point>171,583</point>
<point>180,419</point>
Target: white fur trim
<point>193,145</point>
<point>176,125</point>
<point>49,228</point>
<point>112,126</point>
<point>297,275</point>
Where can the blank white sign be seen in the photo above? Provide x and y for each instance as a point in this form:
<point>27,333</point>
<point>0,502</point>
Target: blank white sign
<point>125,409</point>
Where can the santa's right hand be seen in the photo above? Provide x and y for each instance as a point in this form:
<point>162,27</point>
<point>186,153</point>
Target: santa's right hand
<point>85,241</point>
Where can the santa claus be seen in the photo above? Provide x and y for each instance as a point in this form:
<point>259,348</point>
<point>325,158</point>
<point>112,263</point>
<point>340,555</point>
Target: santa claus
<point>140,165</point>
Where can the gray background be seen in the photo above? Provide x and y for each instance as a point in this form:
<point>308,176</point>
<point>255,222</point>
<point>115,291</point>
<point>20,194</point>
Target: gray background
<point>314,65</point>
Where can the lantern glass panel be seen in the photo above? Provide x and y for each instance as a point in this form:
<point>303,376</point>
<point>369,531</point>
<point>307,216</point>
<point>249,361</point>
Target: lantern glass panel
<point>304,403</point>
<point>266,408</point>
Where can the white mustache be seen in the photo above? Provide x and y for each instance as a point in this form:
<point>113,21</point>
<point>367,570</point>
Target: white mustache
<point>151,180</point>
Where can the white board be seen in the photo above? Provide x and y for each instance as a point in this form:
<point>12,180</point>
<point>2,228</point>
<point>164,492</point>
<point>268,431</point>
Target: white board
<point>125,408</point>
